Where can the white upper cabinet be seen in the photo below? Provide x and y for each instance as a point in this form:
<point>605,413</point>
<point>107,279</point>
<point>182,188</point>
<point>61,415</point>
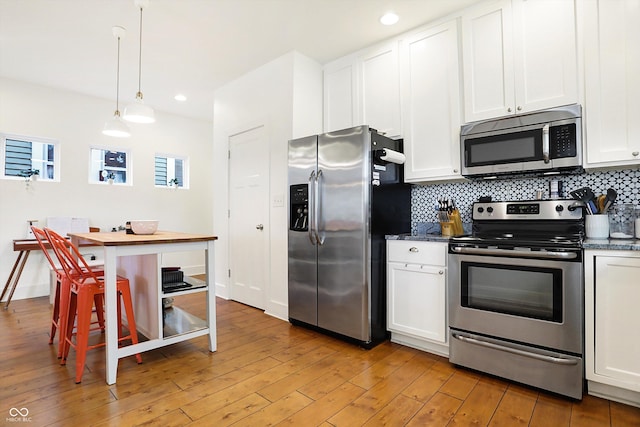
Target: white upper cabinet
<point>612,83</point>
<point>364,89</point>
<point>380,88</point>
<point>518,56</point>
<point>340,95</point>
<point>431,104</point>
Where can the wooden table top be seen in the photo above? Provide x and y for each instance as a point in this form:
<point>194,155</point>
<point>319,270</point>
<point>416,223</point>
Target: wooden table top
<point>122,239</point>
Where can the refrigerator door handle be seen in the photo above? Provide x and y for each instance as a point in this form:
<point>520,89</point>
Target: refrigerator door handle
<point>311,205</point>
<point>318,209</point>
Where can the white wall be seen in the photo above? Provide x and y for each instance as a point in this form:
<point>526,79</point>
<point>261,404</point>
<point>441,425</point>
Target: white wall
<point>76,121</point>
<point>284,95</point>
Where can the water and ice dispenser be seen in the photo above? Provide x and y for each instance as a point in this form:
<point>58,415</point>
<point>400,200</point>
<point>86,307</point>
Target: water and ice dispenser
<point>299,207</point>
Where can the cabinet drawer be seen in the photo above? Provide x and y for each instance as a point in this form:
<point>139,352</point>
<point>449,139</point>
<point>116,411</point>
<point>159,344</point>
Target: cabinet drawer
<point>412,252</point>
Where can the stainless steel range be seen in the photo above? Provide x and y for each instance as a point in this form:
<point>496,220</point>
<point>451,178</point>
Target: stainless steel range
<point>516,294</point>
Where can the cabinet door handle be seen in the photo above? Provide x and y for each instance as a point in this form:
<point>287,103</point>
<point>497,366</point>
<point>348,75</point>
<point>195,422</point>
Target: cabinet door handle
<point>635,153</point>
<point>440,272</point>
<point>413,249</point>
<point>519,108</point>
<point>509,110</point>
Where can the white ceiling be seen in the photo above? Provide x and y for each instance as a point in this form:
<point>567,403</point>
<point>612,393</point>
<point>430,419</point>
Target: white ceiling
<point>188,46</point>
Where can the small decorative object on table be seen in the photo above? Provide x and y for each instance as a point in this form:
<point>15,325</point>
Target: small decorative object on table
<point>144,226</point>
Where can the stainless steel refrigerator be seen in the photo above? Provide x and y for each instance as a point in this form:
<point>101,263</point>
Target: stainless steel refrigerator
<point>346,193</point>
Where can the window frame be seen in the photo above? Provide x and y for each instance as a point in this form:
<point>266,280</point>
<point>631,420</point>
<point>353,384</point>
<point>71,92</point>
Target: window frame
<point>128,169</point>
<point>32,139</point>
<point>185,170</point>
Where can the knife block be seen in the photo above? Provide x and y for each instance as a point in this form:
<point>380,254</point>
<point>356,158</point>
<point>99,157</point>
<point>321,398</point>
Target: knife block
<point>447,228</point>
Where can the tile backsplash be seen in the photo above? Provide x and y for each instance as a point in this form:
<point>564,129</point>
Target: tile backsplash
<point>423,197</point>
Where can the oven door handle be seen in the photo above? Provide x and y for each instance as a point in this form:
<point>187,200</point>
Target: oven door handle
<point>515,253</point>
<point>542,357</point>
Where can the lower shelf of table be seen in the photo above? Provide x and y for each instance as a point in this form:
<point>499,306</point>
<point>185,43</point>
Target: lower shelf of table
<point>177,325</point>
<point>176,321</point>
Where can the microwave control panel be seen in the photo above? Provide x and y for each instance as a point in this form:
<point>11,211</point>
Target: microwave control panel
<point>562,141</point>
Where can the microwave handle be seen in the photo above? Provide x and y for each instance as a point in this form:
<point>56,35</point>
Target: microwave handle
<point>545,143</point>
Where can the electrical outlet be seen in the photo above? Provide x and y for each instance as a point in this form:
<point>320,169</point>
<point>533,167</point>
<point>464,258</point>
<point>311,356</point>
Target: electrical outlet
<point>278,200</point>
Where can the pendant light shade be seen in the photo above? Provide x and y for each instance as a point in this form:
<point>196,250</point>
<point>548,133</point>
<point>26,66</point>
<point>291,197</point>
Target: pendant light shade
<point>137,112</point>
<point>115,126</point>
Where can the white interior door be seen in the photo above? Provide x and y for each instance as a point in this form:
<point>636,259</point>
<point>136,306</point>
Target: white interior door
<point>248,216</point>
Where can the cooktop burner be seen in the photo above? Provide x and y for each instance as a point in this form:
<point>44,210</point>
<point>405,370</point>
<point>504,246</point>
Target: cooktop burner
<point>535,224</point>
<point>522,241</point>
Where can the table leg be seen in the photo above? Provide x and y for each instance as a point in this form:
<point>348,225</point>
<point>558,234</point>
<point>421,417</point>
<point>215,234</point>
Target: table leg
<point>211,296</point>
<point>111,313</point>
<point>14,283</point>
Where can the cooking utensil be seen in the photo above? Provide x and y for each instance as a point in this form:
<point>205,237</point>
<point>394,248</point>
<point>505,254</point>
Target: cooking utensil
<point>590,200</point>
<point>601,201</point>
<point>609,199</point>
<point>585,194</point>
<point>579,193</point>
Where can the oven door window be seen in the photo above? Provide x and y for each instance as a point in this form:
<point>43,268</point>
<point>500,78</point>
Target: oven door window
<point>533,292</point>
<point>524,146</point>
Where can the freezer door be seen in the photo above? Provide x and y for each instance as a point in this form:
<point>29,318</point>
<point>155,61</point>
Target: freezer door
<point>303,273</point>
<point>343,203</point>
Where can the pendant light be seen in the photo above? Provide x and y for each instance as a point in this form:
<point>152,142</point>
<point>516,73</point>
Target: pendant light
<point>115,126</point>
<point>137,112</point>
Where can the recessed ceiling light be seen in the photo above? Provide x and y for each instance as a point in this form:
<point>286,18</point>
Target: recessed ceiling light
<point>180,97</point>
<point>389,18</point>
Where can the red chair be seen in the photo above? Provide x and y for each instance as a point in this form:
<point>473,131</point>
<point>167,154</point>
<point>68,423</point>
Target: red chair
<point>41,238</point>
<point>78,290</point>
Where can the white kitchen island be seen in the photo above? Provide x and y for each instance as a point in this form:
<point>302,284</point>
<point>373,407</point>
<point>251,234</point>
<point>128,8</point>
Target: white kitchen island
<point>139,258</point>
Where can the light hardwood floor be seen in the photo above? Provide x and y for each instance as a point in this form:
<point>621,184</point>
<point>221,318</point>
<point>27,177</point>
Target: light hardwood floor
<point>267,372</point>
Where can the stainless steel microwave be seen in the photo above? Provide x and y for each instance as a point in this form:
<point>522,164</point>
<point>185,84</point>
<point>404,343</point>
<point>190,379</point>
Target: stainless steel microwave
<point>540,143</point>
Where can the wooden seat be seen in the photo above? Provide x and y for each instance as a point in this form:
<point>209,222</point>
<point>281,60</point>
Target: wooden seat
<point>79,288</point>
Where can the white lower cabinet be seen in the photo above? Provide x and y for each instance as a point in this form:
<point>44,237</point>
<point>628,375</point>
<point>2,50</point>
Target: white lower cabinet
<point>416,294</point>
<point>612,342</point>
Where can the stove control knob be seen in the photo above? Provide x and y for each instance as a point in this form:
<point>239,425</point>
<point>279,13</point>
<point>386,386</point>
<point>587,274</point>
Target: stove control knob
<point>559,208</point>
<point>480,209</point>
<point>490,209</point>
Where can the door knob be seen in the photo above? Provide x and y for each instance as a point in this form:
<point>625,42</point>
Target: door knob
<point>259,227</point>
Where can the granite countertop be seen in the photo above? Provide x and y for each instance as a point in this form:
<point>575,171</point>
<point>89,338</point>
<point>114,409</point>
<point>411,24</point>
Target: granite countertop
<point>435,237</point>
<point>612,244</point>
<point>426,232</point>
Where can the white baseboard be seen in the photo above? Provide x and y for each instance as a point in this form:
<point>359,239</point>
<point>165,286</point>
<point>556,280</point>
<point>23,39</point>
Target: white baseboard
<point>420,344</point>
<point>616,394</point>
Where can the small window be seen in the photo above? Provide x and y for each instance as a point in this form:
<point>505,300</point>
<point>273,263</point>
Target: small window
<point>170,171</point>
<point>23,156</point>
<point>110,166</point>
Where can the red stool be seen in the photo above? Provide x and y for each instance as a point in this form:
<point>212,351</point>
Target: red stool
<point>41,238</point>
<point>79,289</point>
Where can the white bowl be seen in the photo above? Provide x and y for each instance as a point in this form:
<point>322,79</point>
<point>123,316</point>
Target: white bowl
<point>144,226</point>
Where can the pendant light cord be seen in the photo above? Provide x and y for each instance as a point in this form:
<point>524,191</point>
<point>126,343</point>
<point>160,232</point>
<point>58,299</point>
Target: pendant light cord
<point>118,80</point>
<point>140,59</point>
